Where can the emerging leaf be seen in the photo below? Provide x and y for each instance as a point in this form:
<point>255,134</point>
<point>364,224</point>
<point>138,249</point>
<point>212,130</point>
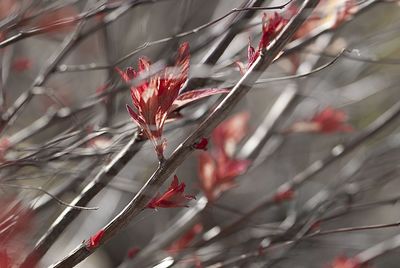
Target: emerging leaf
<point>218,169</point>
<point>158,98</point>
<point>173,197</point>
<point>271,25</point>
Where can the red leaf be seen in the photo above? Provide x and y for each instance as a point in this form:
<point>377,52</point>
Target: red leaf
<point>271,25</point>
<point>327,121</point>
<point>208,175</point>
<point>331,120</point>
<point>218,170</point>
<point>230,132</point>
<point>195,95</point>
<point>173,197</point>
<point>154,97</point>
<point>94,240</point>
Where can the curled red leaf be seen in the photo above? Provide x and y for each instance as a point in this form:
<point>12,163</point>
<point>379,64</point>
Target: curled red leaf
<point>173,197</point>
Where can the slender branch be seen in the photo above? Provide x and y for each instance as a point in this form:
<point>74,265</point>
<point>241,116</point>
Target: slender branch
<point>71,182</point>
<point>116,12</point>
<point>39,189</point>
<point>353,229</point>
<point>106,174</point>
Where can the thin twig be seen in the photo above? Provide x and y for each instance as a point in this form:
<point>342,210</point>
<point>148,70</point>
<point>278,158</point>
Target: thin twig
<point>39,189</point>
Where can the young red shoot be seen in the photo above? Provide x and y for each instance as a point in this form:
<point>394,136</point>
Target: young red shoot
<point>159,97</point>
<point>271,25</point>
<point>174,196</point>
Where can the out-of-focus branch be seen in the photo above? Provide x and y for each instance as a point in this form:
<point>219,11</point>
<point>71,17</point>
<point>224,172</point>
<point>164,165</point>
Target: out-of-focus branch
<point>300,43</point>
<point>245,10</point>
<point>44,74</point>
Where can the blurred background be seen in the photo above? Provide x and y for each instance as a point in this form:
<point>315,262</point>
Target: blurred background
<point>64,119</point>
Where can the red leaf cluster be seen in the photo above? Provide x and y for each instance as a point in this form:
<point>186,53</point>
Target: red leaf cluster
<point>159,97</point>
<point>219,168</point>
<point>271,25</point>
<point>331,120</point>
<point>173,197</point>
